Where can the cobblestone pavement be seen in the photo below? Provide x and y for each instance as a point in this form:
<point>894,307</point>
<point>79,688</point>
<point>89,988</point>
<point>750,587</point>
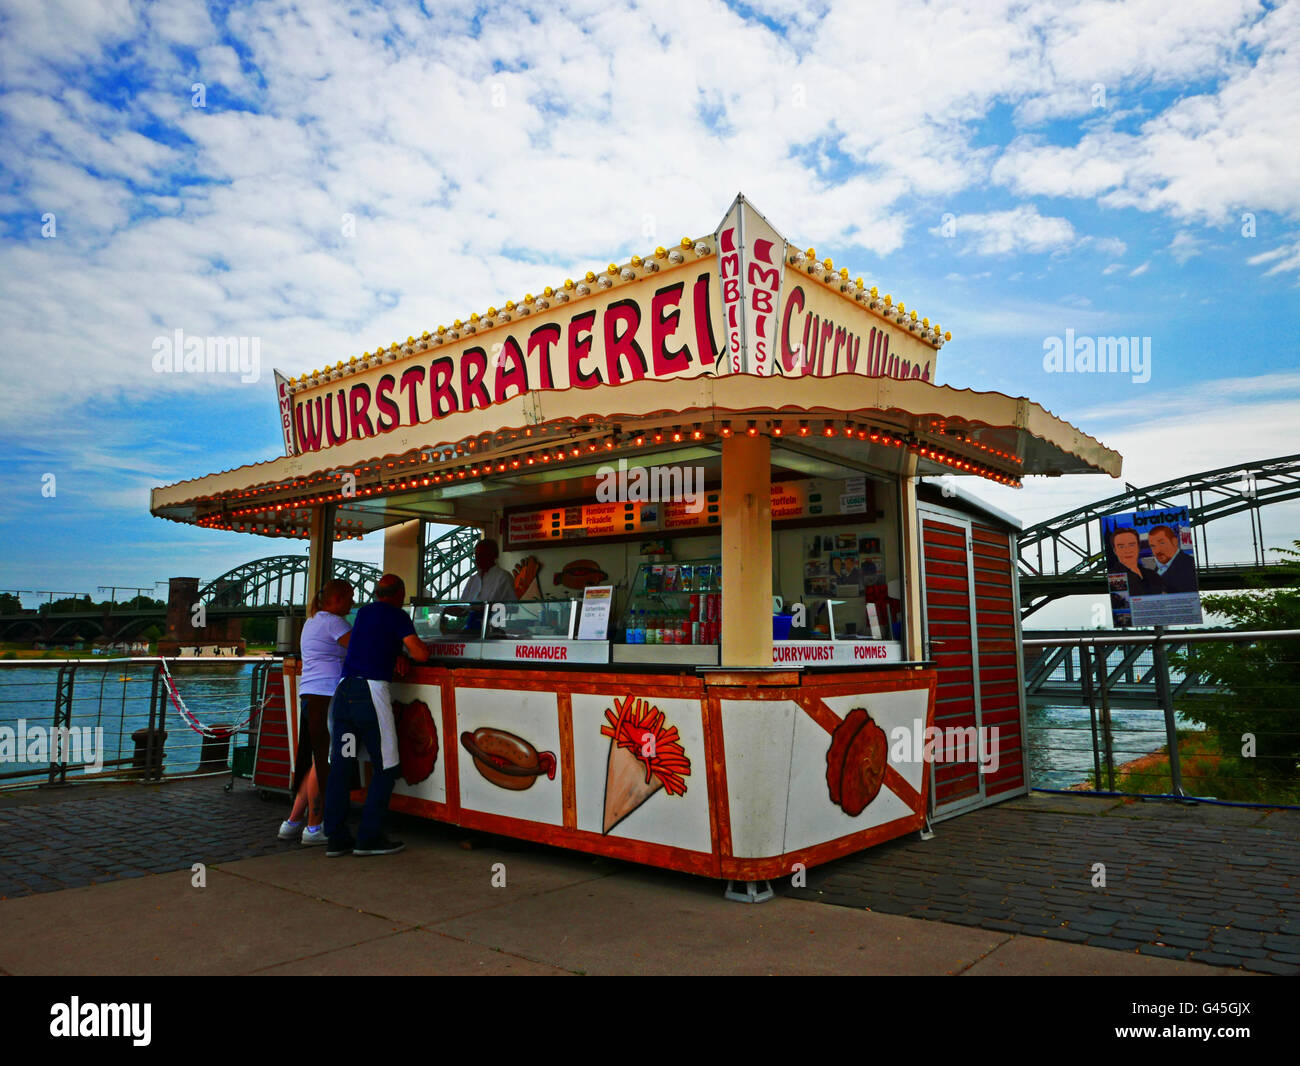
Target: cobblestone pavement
<point>1215,885</point>
<point>1210,884</point>
<point>51,840</point>
<point>83,835</point>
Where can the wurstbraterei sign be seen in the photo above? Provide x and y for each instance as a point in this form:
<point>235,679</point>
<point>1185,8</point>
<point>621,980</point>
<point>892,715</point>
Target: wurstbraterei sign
<point>692,312</point>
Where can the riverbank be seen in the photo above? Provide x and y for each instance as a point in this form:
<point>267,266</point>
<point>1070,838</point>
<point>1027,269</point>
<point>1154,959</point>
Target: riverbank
<point>1206,773</point>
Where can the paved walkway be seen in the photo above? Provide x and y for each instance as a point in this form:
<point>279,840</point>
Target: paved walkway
<point>1219,885</point>
<point>97,880</point>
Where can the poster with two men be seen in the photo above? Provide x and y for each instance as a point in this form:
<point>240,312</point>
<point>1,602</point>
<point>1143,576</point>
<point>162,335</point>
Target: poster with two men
<point>1151,568</point>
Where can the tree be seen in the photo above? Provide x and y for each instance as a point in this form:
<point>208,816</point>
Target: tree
<point>67,605</point>
<point>9,603</point>
<point>1260,679</point>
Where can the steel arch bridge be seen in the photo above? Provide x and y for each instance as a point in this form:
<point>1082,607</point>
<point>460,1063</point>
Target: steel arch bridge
<point>281,580</point>
<point>448,562</point>
<point>265,582</point>
<point>1065,555</point>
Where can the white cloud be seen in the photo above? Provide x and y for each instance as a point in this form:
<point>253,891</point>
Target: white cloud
<point>1022,229</point>
<point>1184,246</point>
<point>1138,271</point>
<point>1286,257</point>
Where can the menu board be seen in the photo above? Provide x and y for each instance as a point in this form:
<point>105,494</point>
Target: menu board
<point>791,500</point>
<point>576,521</point>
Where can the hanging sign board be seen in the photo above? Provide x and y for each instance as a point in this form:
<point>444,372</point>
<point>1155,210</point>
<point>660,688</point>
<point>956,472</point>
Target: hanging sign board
<point>1151,568</point>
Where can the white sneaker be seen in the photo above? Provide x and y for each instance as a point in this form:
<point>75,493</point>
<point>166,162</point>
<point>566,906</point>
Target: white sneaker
<point>315,834</point>
<point>289,830</point>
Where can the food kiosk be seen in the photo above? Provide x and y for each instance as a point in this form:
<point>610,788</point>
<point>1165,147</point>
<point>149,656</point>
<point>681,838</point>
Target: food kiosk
<point>702,468</point>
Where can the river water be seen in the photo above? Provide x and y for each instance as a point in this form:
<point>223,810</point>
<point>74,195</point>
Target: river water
<point>114,696</point>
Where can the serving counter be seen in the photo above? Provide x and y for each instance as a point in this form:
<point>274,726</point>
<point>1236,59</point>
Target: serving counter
<point>736,775</point>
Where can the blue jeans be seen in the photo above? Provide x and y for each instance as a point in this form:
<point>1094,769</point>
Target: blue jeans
<point>354,714</point>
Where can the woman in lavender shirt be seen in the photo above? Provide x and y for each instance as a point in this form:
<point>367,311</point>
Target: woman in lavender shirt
<point>324,644</point>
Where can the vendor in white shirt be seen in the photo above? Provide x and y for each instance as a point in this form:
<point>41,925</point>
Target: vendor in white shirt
<point>490,582</point>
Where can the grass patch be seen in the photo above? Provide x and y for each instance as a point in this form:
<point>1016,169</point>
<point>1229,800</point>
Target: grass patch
<point>1206,772</point>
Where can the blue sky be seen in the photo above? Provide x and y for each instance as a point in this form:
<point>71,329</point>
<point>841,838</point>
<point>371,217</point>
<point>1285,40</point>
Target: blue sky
<point>1012,172</point>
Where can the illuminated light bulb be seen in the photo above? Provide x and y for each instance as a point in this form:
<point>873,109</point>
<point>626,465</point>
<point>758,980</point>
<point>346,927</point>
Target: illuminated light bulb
<point>548,292</point>
<point>636,261</point>
<point>752,428</point>
<point>677,436</point>
<point>947,336</point>
<point>638,441</point>
<point>803,429</point>
<point>590,277</point>
<point>828,430</point>
<point>726,429</point>
<point>661,252</point>
<point>697,433</point>
<point>568,284</point>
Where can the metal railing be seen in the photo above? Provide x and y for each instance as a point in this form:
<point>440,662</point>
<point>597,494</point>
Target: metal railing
<point>84,719</point>
<point>1149,715</point>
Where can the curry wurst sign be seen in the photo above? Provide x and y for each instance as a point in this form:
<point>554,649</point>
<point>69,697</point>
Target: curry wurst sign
<point>666,324</point>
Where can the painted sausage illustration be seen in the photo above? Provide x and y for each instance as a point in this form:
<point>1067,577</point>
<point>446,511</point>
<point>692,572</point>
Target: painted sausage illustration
<point>506,760</point>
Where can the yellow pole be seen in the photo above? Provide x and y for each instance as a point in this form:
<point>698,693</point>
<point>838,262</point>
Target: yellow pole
<point>746,551</point>
<point>402,554</point>
<point>320,564</point>
<point>912,636</point>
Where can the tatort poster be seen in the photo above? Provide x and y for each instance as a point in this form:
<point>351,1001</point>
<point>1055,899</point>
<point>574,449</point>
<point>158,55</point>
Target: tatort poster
<point>1151,568</point>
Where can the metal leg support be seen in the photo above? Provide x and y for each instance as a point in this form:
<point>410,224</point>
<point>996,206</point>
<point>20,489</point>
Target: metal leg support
<point>751,892</point>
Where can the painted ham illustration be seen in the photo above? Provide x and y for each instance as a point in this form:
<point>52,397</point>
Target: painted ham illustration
<point>417,740</point>
<point>856,762</point>
<point>580,573</point>
<point>644,757</point>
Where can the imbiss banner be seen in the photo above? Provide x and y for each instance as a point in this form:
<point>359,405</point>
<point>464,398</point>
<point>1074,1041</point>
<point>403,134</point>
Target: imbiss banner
<point>751,262</point>
<point>676,322</point>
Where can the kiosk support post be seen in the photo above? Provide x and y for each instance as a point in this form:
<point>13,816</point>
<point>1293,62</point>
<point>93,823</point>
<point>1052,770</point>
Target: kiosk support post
<point>320,563</point>
<point>913,637</point>
<point>402,554</point>
<point>746,551</point>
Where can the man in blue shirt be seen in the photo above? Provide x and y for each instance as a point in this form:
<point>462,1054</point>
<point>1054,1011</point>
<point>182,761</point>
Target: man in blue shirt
<point>1174,565</point>
<point>362,711</point>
